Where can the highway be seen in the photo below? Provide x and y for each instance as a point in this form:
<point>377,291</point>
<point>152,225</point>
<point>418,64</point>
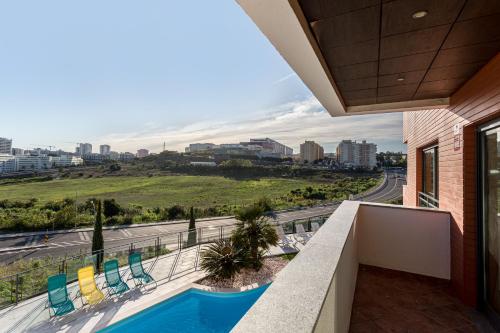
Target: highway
<point>72,242</point>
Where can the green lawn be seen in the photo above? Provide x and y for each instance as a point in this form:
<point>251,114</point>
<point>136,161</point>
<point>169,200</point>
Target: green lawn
<point>162,191</point>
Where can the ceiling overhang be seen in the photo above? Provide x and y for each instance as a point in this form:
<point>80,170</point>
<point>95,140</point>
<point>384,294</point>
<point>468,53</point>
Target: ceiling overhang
<point>317,42</point>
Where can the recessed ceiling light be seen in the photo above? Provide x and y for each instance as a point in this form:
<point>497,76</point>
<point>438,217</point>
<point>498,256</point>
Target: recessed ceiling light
<point>420,14</point>
<point>400,79</point>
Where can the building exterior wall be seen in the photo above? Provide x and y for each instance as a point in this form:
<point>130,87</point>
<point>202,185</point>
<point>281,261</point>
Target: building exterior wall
<point>5,146</point>
<point>454,131</point>
<point>85,149</point>
<point>352,153</point>
<point>104,149</point>
<point>142,153</point>
<point>311,151</point>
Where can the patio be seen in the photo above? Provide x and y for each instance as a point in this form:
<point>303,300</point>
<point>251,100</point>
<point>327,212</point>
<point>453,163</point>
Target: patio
<point>174,272</point>
<point>392,301</point>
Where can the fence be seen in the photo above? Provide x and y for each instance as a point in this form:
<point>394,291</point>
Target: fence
<point>33,282</point>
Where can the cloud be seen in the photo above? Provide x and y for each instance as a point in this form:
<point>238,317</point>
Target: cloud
<point>290,123</point>
<point>284,78</point>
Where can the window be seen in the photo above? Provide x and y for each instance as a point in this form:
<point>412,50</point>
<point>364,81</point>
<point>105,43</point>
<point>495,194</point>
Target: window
<point>429,195</point>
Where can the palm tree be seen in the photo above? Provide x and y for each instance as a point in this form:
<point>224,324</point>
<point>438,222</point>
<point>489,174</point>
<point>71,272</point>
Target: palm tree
<point>222,259</point>
<point>254,234</point>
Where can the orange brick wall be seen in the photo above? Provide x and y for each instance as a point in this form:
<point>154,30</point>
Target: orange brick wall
<point>476,102</point>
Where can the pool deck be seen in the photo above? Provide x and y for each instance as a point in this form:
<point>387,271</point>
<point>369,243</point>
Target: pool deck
<point>174,272</point>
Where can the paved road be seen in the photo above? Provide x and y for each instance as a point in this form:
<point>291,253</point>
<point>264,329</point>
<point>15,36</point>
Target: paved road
<point>32,245</point>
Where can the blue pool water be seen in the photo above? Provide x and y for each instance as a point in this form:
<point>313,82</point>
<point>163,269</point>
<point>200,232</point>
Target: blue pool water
<point>191,311</point>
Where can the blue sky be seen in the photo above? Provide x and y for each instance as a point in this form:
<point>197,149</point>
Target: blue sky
<point>134,74</point>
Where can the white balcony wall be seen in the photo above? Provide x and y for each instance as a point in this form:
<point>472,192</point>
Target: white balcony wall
<point>315,291</point>
<point>410,240</point>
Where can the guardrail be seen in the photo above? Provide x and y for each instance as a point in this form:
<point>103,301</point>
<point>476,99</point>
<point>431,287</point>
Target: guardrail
<point>425,200</point>
<point>33,282</point>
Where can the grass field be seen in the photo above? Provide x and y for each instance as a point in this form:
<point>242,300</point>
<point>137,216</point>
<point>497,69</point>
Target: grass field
<point>199,191</point>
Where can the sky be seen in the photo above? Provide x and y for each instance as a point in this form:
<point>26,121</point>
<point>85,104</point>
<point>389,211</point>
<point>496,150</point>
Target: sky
<point>134,74</point>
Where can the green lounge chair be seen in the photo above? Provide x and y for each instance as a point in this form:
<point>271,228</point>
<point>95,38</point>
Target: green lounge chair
<point>137,272</point>
<point>59,300</point>
<point>114,282</point>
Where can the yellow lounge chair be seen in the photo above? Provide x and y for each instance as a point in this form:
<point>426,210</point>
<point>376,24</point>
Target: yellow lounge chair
<point>88,287</point>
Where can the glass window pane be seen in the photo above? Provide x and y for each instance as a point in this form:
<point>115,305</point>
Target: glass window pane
<point>429,172</point>
<point>491,201</point>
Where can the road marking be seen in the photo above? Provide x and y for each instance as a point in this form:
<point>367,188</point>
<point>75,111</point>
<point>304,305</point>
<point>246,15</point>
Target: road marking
<point>84,236</point>
<point>126,233</point>
<point>31,241</point>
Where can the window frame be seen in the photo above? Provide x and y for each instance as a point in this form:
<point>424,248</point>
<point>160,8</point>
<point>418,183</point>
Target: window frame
<point>435,171</point>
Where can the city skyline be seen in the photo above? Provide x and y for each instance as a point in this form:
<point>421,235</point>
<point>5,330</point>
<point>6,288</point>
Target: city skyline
<point>137,92</point>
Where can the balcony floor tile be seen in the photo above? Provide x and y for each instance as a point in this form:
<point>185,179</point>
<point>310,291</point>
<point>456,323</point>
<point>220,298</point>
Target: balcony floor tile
<point>392,301</point>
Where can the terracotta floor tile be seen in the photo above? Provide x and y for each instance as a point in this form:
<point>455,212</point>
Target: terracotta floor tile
<point>391,301</point>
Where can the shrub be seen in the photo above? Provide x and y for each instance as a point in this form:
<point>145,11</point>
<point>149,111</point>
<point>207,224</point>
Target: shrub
<point>66,217</point>
<point>111,208</point>
<point>265,204</point>
<point>115,167</point>
<point>175,212</point>
<point>222,259</point>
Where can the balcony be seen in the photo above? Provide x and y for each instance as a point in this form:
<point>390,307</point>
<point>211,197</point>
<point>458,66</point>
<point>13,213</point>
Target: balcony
<point>425,200</point>
<point>370,268</point>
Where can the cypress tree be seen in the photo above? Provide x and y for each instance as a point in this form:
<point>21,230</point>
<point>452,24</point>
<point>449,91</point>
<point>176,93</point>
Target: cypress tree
<point>191,229</point>
<point>97,238</point>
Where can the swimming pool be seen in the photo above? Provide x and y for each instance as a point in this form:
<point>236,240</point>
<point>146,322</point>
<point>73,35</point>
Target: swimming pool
<point>191,311</point>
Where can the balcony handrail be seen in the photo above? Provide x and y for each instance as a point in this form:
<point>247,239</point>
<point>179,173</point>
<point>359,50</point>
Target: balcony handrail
<point>179,238</point>
<point>428,200</point>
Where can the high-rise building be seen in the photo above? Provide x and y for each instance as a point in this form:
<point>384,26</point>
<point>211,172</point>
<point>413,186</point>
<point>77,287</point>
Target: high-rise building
<point>84,149</point>
<point>311,151</point>
<point>142,153</point>
<point>5,146</point>
<point>104,149</point>
<point>352,153</point>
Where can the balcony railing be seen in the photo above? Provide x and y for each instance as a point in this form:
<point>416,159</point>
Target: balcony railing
<point>426,200</point>
<point>315,291</point>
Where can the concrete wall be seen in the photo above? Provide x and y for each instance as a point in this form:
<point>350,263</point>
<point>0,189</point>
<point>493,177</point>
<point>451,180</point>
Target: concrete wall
<point>410,240</point>
<point>314,292</point>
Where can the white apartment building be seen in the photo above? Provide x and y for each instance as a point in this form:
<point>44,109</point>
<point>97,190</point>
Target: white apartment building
<point>30,163</point>
<point>311,151</point>
<point>66,160</point>
<point>352,153</point>
<point>84,149</point>
<point>5,146</point>
<point>104,149</point>
<point>142,153</point>
<point>7,163</point>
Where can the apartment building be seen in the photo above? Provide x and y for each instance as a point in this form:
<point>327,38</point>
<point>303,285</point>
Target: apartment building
<point>66,160</point>
<point>142,153</point>
<point>84,149</point>
<point>271,146</point>
<point>439,63</point>
<point>310,151</point>
<point>104,149</point>
<point>5,146</point>
<point>352,153</point>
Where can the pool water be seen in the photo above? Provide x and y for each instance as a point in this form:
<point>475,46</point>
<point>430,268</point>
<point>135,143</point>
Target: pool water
<point>191,311</point>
